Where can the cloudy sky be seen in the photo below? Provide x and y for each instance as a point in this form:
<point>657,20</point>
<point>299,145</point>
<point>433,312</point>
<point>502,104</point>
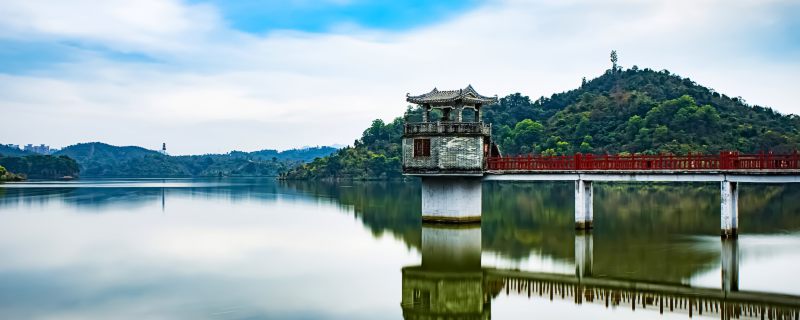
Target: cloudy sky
<point>213,76</point>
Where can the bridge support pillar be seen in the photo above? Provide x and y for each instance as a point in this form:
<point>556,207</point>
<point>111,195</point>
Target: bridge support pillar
<point>583,205</point>
<point>729,206</point>
<point>584,253</point>
<point>451,199</point>
<point>730,265</point>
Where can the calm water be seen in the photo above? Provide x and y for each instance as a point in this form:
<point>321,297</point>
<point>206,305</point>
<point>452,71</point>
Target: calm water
<point>261,249</point>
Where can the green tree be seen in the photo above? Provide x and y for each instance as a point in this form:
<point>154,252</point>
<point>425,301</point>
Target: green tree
<point>526,134</point>
<point>613,60</point>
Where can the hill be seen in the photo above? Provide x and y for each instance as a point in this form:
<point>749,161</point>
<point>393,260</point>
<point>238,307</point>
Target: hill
<point>376,155</point>
<point>13,152</point>
<point>99,159</point>
<point>103,160</point>
<point>639,111</point>
<point>295,155</point>
<point>622,111</point>
<point>40,166</point>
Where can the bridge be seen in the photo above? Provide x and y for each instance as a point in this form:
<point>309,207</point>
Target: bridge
<point>728,168</point>
<point>453,154</point>
<point>451,283</point>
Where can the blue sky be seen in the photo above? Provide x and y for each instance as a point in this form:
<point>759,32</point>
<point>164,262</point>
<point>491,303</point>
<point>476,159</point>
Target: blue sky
<point>325,16</point>
<point>212,76</point>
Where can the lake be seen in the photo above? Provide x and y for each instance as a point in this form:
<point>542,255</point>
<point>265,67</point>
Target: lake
<point>256,248</point>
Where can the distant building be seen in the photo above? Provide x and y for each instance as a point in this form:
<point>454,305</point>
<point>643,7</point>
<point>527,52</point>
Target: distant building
<point>164,148</point>
<point>40,149</point>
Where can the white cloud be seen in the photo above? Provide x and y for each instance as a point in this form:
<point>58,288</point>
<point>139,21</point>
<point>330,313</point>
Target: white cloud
<point>142,25</point>
<point>215,85</point>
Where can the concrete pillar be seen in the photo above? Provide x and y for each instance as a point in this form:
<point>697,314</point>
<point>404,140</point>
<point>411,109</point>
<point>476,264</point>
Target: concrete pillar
<point>730,265</point>
<point>446,114</point>
<point>729,206</point>
<point>584,252</point>
<point>451,199</point>
<point>426,114</point>
<point>459,113</point>
<point>583,205</point>
<point>451,248</point>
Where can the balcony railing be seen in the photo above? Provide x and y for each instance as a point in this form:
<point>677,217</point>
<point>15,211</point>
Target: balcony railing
<point>473,128</point>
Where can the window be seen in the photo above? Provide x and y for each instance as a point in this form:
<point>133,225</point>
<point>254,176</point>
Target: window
<point>422,148</point>
<point>421,299</point>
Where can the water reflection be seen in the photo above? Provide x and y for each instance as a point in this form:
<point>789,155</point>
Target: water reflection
<point>584,254</point>
<point>451,284</point>
<point>651,243</point>
<point>730,265</point>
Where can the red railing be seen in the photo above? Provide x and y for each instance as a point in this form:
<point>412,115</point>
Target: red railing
<point>724,161</point>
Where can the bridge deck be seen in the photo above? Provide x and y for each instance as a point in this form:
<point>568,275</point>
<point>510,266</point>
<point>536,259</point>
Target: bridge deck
<point>701,163</point>
<point>756,176</point>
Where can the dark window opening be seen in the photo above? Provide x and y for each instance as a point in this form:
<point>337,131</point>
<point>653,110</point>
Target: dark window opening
<point>422,147</point>
<point>421,299</point>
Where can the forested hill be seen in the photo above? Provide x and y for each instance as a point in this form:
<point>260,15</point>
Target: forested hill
<point>622,111</point>
<point>103,160</point>
<point>38,167</point>
<point>639,111</point>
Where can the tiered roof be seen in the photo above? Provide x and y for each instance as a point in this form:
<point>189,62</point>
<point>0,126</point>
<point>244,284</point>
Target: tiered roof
<point>467,95</point>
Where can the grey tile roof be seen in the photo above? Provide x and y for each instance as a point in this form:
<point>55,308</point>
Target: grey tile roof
<point>467,95</point>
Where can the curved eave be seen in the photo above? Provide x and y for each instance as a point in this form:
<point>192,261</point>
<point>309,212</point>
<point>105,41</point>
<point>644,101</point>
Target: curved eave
<point>451,101</point>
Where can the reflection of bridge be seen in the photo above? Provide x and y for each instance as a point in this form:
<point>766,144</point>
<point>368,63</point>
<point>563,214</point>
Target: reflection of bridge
<point>450,283</point>
<point>664,297</point>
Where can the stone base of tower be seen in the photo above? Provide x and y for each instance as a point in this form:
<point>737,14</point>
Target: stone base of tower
<point>451,199</point>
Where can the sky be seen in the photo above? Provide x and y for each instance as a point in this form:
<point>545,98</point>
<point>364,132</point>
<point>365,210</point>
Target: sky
<point>221,75</point>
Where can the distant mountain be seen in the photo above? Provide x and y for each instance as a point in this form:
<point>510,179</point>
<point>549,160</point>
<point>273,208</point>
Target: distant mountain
<point>298,155</point>
<point>83,152</point>
<point>98,159</point>
<point>13,152</point>
<point>622,111</point>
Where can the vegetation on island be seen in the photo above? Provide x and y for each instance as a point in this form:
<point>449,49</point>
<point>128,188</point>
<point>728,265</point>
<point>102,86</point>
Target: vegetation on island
<point>636,111</point>
<point>40,167</point>
<point>103,160</point>
<point>8,176</point>
<point>376,155</point>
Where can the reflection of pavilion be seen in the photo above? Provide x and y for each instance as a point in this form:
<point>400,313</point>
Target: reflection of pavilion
<point>451,284</point>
